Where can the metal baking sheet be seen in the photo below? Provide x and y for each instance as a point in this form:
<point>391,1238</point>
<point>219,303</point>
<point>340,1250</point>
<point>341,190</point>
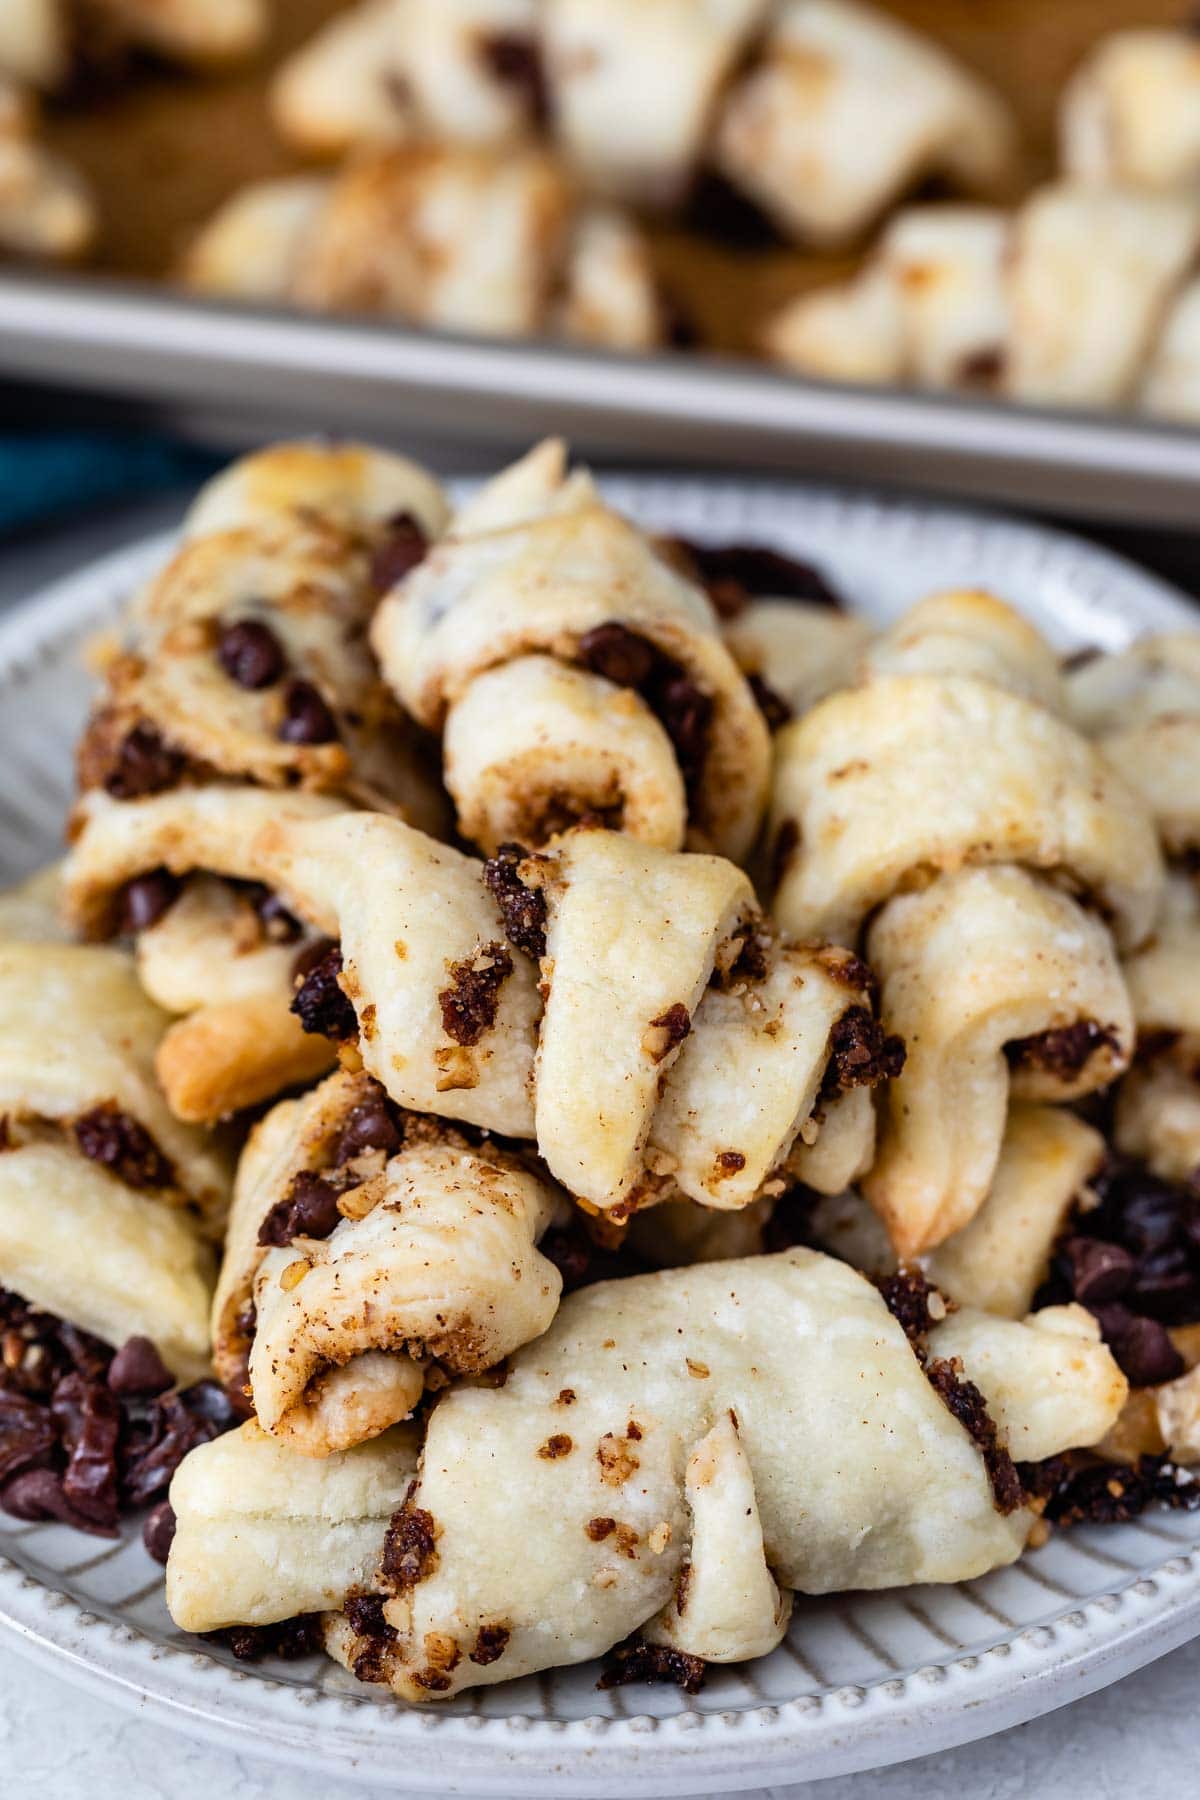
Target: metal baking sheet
<point>207,367</point>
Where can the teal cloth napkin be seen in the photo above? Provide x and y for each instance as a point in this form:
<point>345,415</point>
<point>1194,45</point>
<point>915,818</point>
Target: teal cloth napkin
<point>43,476</point>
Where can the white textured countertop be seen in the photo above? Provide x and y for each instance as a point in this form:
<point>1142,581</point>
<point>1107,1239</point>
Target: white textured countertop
<point>1141,1737</point>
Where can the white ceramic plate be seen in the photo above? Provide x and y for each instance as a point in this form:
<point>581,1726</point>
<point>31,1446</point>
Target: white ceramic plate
<point>862,1680</point>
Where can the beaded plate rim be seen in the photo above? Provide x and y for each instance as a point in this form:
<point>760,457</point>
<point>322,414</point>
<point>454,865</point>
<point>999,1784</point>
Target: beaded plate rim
<point>1087,593</point>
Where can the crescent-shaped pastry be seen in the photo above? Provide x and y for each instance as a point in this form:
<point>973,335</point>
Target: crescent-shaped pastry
<point>1130,114</point>
<point>847,110</point>
<point>918,773</point>
<point>673,1415</point>
<point>46,209</point>
<point>456,238</point>
<point>628,1093</point>
<point>623,128</point>
<point>43,41</point>
<point>368,1246</point>
<point>263,1535</point>
<point>537,569</point>
<point>105,1198</point>
<point>77,1045</point>
<point>1158,1104</point>
<point>458,71</point>
<point>1082,298</point>
<point>247,693</point>
<point>969,632</point>
<point>994,979</point>
<point>1142,705</point>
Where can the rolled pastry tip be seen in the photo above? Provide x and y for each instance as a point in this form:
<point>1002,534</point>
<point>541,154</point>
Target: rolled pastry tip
<point>203,32</point>
<point>353,486</point>
<point>970,299</point>
<point>262,1535</point>
<point>536,565</point>
<point>673,1415</point>
<point>46,208</point>
<point>78,1040</point>
<point>77,1241</point>
<point>388,70</point>
<point>804,134</point>
<point>871,784</point>
<point>247,662</point>
<point>1001,1257</point>
<point>371,1247</point>
<point>219,952</point>
<point>998,983</point>
<point>535,745</point>
<point>802,651</point>
<point>1142,705</point>
<point>624,130</point>
<point>966,631</point>
<point>1128,114</point>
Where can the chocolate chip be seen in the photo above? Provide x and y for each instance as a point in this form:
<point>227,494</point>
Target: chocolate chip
<point>369,1126</point>
<point>620,655</point>
<point>144,764</point>
<point>402,550</point>
<point>279,925</point>
<point>251,654</point>
<point>307,719</point>
<point>38,1495</point>
<point>27,1434</point>
<point>108,1136</point>
<point>516,60</point>
<point>158,1533</point>
<point>753,570</point>
<point>138,1369</point>
<point>773,707</point>
<point>89,1422</point>
<point>522,909</point>
<point>309,1209</point>
<point>1096,1271</point>
<point>145,900</point>
<point>686,716</point>
<point>321,1004</point>
<point>1141,1346</point>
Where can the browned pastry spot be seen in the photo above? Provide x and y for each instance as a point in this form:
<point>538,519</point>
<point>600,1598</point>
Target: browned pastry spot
<point>555,1447</point>
<point>108,1136</point>
<point>522,909</point>
<point>470,1003</point>
<point>653,1662</point>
